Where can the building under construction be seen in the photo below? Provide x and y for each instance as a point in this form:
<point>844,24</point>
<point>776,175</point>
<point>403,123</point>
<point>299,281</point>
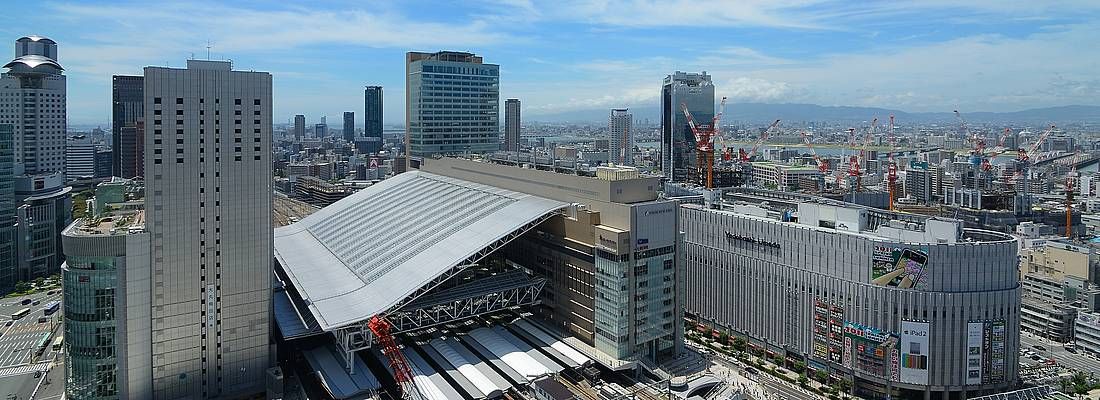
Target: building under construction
<point>416,287</point>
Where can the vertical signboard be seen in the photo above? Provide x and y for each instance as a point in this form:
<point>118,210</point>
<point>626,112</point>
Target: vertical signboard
<point>997,350</point>
<point>914,352</point>
<point>974,335</point>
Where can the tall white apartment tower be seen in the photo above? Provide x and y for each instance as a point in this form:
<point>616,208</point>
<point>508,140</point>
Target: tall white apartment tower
<point>208,207</point>
<point>32,99</point>
<point>620,139</point>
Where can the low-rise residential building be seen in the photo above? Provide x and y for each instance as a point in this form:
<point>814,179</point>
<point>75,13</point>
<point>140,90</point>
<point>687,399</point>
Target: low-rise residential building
<point>781,176</point>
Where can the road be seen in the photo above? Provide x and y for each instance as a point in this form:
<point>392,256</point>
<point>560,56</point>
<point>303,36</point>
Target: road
<point>1078,361</point>
<point>18,340</point>
<point>774,387</point>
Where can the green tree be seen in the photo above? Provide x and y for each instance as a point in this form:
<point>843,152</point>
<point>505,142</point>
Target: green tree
<point>22,286</point>
<point>844,385</point>
<point>799,366</point>
<point>39,282</point>
<point>803,380</point>
<point>821,376</point>
<point>723,338</point>
<point>739,344</point>
<point>779,360</point>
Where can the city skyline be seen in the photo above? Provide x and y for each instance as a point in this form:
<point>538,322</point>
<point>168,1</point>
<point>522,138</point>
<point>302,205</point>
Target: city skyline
<point>933,56</point>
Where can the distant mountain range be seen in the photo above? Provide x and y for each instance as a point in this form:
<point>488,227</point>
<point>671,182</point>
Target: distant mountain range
<point>763,113</point>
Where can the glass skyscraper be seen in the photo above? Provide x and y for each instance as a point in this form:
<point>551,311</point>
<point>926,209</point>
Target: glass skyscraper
<point>677,141</point>
<point>452,103</point>
<point>128,105</point>
<point>372,118</point>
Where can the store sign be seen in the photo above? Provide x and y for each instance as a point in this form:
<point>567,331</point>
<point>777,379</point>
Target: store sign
<point>975,332</point>
<point>914,352</point>
<point>735,237</point>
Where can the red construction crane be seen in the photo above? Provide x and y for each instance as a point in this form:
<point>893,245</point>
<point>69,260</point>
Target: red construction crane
<point>822,164</point>
<point>853,162</point>
<point>1071,181</point>
<point>704,142</point>
<point>891,166</point>
<point>746,157</point>
<point>380,327</point>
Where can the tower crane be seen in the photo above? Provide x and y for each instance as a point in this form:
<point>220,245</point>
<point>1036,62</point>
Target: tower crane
<point>1071,181</point>
<point>891,166</point>
<point>853,162</point>
<point>746,157</point>
<point>704,143</point>
<point>822,164</point>
<point>1023,161</point>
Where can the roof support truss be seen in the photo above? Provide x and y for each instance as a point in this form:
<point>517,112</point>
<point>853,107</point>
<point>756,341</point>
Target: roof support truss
<point>458,309</point>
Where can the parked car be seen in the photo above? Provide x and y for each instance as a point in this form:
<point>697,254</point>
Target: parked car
<point>1040,348</point>
<point>26,301</point>
<point>35,303</point>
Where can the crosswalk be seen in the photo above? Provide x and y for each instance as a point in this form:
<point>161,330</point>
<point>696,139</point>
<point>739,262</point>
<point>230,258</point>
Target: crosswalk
<point>23,369</point>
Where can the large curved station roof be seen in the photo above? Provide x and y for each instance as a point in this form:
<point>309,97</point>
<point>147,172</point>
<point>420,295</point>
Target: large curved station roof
<point>364,254</point>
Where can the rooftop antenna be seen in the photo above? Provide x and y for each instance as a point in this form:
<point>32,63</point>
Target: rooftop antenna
<point>208,46</point>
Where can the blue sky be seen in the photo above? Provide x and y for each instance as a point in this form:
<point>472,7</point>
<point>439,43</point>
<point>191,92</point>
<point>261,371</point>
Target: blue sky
<point>565,55</point>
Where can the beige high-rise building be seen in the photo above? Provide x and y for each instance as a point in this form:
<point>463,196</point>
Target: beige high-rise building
<point>208,201</point>
<point>620,139</point>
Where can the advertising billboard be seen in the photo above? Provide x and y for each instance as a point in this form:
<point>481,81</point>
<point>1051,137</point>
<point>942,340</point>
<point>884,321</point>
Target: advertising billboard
<point>828,331</point>
<point>868,349</point>
<point>914,352</point>
<point>899,267</point>
<point>975,333</point>
<point>996,349</point>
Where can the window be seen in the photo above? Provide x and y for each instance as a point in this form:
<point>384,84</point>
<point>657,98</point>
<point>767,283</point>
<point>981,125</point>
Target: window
<point>156,100</point>
<point>179,100</point>
<point>256,102</point>
<point>237,101</point>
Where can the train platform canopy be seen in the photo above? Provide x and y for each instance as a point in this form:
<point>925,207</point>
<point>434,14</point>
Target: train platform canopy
<point>382,246</point>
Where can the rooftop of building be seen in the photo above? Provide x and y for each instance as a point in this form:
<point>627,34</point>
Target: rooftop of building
<point>433,226</point>
<point>834,215</point>
<point>786,167</point>
<point>109,224</point>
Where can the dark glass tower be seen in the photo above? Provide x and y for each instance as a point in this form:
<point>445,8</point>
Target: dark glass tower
<point>372,118</point>
<point>128,107</point>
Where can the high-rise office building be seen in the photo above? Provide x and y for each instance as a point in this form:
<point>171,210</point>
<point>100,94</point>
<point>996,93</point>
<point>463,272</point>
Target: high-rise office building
<point>677,142</point>
<point>511,124</point>
<point>79,157</point>
<point>320,130</point>
<point>128,106</point>
<point>32,99</point>
<point>372,118</point>
<point>620,137</point>
<point>349,126</point>
<point>7,208</point>
<point>103,161</point>
<point>208,202</point>
<point>45,209</point>
<point>299,127</point>
<point>461,85</point>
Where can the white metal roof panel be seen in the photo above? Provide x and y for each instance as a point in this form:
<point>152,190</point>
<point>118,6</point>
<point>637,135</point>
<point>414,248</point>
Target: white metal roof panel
<point>509,353</point>
<point>554,343</point>
<point>467,368</point>
<point>369,251</point>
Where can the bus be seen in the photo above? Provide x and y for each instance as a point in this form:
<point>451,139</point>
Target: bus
<point>51,308</point>
<point>57,343</point>
<point>20,314</point>
<point>42,343</point>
